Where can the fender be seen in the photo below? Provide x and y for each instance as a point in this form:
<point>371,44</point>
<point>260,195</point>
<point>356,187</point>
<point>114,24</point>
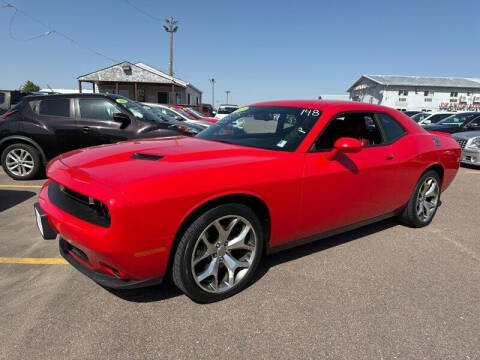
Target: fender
<point>219,196</point>
<point>27,140</point>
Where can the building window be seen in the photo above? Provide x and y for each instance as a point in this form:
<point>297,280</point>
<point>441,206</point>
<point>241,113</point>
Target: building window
<point>403,92</point>
<point>454,94</point>
<point>428,99</point>
<point>428,93</point>
<point>188,101</point>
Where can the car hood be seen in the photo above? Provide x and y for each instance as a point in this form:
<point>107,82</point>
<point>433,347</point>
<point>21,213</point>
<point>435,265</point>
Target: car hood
<point>466,135</point>
<point>139,161</point>
<point>443,128</point>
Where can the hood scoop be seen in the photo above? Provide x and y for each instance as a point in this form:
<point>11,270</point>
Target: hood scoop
<point>142,156</point>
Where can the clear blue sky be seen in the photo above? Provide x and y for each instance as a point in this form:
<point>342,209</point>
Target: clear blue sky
<point>256,49</point>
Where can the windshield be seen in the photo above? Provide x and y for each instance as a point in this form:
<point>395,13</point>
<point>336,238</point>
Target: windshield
<point>226,109</point>
<point>457,120</point>
<point>267,127</point>
<point>437,117</point>
<point>184,113</point>
<point>136,109</point>
<point>419,117</point>
<point>196,113</point>
<point>158,113</point>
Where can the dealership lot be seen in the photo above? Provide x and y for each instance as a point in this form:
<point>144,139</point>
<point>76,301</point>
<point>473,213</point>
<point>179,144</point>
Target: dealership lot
<point>383,291</point>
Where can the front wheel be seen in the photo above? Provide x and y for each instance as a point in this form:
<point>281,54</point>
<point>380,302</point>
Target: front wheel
<point>21,161</point>
<point>424,202</point>
<point>218,254</point>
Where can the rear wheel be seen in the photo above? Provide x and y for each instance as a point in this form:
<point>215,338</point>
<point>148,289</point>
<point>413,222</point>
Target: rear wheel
<point>218,254</point>
<point>21,161</point>
<point>424,202</point>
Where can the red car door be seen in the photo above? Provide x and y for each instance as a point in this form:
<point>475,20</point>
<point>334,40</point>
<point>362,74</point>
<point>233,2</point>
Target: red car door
<point>349,188</point>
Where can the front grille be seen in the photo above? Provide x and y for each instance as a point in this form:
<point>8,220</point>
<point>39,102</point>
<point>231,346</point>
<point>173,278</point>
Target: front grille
<point>79,253</point>
<point>78,205</point>
<point>462,143</point>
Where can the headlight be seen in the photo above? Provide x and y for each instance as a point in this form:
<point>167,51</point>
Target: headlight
<point>474,143</point>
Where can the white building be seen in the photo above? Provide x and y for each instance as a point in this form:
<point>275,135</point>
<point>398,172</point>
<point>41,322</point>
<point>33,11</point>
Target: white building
<point>418,92</point>
<point>141,82</point>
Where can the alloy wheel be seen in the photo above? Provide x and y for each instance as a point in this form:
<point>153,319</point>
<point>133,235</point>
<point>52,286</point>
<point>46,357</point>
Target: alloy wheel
<point>427,199</point>
<point>19,162</point>
<point>223,254</point>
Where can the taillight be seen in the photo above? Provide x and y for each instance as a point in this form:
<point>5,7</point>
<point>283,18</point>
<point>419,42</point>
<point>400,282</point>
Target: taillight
<point>8,113</point>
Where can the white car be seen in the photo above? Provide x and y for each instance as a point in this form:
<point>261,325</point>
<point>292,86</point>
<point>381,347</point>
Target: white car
<point>177,114</point>
<point>469,141</point>
<point>224,110</point>
<point>434,118</point>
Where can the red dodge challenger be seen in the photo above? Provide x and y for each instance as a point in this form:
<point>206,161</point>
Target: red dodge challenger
<point>205,210</point>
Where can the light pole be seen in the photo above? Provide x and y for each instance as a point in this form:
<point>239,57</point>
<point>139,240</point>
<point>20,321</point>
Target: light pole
<point>227,92</point>
<point>171,28</point>
<point>212,80</point>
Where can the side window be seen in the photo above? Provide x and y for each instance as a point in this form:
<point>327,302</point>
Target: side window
<point>55,107</point>
<point>2,98</point>
<point>361,126</point>
<point>393,130</point>
<point>99,109</point>
<point>475,122</point>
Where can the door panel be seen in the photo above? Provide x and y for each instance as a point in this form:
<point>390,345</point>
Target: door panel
<point>348,189</point>
<point>96,125</point>
<point>56,115</point>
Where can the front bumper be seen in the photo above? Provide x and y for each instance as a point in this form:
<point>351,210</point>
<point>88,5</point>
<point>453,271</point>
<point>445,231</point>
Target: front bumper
<point>471,157</point>
<point>69,254</point>
<point>125,250</point>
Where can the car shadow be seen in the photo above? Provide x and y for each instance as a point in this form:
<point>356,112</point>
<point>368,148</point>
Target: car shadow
<point>168,290</point>
<point>11,198</point>
<point>164,291</point>
<point>320,245</point>
<point>468,166</point>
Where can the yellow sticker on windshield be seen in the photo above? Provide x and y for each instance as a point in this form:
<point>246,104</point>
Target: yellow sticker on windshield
<point>121,101</point>
<point>241,109</point>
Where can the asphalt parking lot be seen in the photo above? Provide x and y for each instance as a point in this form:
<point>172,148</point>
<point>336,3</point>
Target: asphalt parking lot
<point>383,291</point>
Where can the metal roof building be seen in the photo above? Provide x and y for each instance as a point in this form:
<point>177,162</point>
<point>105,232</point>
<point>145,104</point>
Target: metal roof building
<point>418,92</point>
<point>141,82</point>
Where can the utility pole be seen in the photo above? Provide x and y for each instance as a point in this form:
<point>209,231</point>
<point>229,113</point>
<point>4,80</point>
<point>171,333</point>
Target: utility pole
<point>212,80</point>
<point>171,28</point>
<point>227,92</point>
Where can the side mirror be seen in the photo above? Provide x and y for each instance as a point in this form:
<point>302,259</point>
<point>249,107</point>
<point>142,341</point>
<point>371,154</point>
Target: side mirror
<point>345,145</point>
<point>122,119</point>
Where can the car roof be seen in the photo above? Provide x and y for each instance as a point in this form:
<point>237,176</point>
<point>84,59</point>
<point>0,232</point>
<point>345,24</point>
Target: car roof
<point>76,95</point>
<point>324,104</point>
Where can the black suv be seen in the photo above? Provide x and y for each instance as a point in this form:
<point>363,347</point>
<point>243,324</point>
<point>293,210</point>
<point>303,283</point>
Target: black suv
<point>42,127</point>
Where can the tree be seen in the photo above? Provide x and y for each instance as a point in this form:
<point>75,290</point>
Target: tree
<point>30,86</point>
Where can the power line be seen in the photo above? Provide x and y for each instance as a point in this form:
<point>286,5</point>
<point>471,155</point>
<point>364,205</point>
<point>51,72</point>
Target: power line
<point>13,37</point>
<point>50,31</point>
<point>143,11</point>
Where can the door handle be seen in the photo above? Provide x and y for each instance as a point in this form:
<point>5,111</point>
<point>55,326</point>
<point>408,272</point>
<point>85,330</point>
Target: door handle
<point>86,129</point>
<point>390,157</point>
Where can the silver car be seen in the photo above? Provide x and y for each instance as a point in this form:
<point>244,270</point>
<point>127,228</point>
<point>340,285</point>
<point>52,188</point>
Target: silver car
<point>469,141</point>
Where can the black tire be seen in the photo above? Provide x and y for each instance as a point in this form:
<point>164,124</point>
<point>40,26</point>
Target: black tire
<point>34,154</point>
<point>409,215</point>
<point>182,274</point>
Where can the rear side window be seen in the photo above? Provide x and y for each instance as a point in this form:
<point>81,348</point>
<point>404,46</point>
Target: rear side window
<point>99,109</point>
<point>393,130</point>
<point>55,107</point>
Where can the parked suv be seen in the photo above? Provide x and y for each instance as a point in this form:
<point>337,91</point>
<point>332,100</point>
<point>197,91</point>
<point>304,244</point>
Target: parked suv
<point>10,98</point>
<point>42,127</point>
